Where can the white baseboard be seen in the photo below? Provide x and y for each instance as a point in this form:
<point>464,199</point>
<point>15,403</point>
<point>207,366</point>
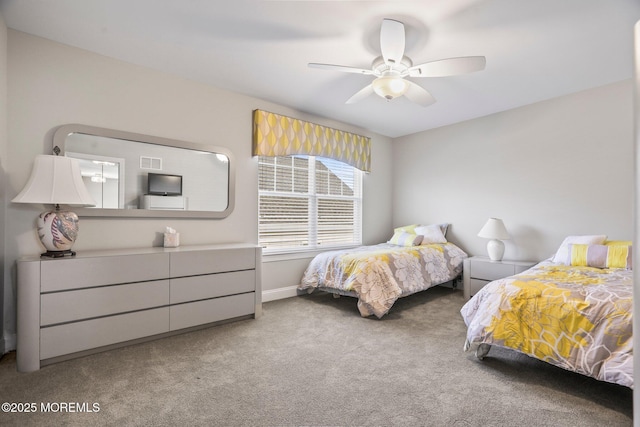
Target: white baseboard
<point>280,293</point>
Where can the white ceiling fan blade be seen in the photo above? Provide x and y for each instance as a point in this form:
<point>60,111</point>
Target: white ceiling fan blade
<point>341,68</point>
<point>392,41</point>
<point>449,67</point>
<point>418,94</point>
<point>360,95</point>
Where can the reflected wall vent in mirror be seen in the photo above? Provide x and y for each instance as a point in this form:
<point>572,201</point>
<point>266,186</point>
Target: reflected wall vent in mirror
<point>153,163</point>
<point>208,185</point>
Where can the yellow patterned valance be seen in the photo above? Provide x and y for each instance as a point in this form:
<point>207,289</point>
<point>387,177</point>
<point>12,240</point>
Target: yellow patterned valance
<point>276,135</point>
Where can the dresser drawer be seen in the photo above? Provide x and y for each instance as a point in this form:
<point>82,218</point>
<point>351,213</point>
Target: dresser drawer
<point>191,263</point>
<point>211,310</point>
<point>490,270</point>
<point>73,337</point>
<point>59,307</point>
<point>195,288</point>
<point>74,273</point>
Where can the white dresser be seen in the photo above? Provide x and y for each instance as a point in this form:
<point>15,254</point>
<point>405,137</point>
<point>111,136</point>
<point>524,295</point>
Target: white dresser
<point>96,301</point>
<point>163,202</point>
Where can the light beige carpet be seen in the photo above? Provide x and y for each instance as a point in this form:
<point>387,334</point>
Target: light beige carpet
<point>313,361</point>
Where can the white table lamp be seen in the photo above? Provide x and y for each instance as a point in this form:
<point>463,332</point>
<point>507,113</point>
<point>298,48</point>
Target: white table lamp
<point>56,180</point>
<point>495,230</point>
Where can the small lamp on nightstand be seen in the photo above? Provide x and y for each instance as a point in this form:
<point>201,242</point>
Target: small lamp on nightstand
<point>56,180</point>
<point>495,230</point>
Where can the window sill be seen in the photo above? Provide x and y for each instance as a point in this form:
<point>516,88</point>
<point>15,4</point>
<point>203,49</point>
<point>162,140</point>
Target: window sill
<point>277,256</point>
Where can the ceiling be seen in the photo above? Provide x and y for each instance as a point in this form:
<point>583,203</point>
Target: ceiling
<point>535,50</point>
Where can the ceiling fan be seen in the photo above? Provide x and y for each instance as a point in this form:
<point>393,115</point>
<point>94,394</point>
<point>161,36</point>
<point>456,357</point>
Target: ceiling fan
<point>392,68</point>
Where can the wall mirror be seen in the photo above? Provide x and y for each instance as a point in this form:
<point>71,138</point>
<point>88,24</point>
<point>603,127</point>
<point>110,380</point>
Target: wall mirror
<point>135,175</point>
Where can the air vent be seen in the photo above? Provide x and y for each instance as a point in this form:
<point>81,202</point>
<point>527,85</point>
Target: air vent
<point>152,163</point>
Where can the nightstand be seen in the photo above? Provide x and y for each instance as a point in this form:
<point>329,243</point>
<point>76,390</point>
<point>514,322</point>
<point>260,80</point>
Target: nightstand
<point>478,271</point>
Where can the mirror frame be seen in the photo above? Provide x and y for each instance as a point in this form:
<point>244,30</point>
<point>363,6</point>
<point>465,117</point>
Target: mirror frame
<point>59,140</point>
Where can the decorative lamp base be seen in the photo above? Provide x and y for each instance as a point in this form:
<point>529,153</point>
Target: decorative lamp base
<point>495,248</point>
<point>57,254</point>
<point>57,231</point>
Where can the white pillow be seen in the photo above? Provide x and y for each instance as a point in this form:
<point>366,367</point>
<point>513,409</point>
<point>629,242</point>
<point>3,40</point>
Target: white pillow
<point>444,226</point>
<point>563,251</point>
<point>430,234</point>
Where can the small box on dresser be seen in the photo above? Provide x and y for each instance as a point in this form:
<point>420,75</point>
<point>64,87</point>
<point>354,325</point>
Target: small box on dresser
<point>478,271</point>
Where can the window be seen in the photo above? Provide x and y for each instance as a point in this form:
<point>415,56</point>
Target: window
<point>308,202</point>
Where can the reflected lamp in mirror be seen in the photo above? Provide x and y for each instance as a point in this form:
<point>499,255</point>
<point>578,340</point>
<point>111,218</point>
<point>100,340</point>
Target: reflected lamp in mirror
<point>56,180</point>
<point>495,230</point>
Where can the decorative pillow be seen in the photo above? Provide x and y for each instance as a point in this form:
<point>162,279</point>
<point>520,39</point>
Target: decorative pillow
<point>618,243</point>
<point>406,228</point>
<point>412,228</point>
<point>430,234</point>
<point>600,256</point>
<point>563,254</point>
<point>402,238</point>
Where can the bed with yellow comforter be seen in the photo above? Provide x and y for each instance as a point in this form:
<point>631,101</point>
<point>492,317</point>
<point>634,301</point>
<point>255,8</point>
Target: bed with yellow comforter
<point>380,274</point>
<point>577,318</point>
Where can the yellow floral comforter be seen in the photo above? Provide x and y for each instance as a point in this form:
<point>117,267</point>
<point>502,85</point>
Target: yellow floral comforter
<point>378,275</point>
<point>577,318</point>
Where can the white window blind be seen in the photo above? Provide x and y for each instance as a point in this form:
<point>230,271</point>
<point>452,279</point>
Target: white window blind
<point>308,202</point>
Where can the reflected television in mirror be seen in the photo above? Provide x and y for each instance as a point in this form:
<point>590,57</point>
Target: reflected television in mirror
<point>160,184</point>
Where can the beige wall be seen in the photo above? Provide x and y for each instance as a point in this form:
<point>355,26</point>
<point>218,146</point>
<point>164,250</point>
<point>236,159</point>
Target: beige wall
<point>52,84</point>
<point>550,169</point>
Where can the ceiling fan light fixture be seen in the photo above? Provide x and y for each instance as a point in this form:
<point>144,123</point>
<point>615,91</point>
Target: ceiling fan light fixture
<point>393,66</point>
<point>390,87</point>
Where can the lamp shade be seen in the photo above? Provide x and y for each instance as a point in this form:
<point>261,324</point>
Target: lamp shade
<point>494,229</point>
<point>55,180</point>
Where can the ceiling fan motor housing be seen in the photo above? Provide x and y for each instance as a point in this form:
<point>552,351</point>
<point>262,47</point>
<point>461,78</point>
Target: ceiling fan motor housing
<point>380,68</point>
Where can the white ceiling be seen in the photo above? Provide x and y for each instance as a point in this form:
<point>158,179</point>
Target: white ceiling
<point>535,49</point>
